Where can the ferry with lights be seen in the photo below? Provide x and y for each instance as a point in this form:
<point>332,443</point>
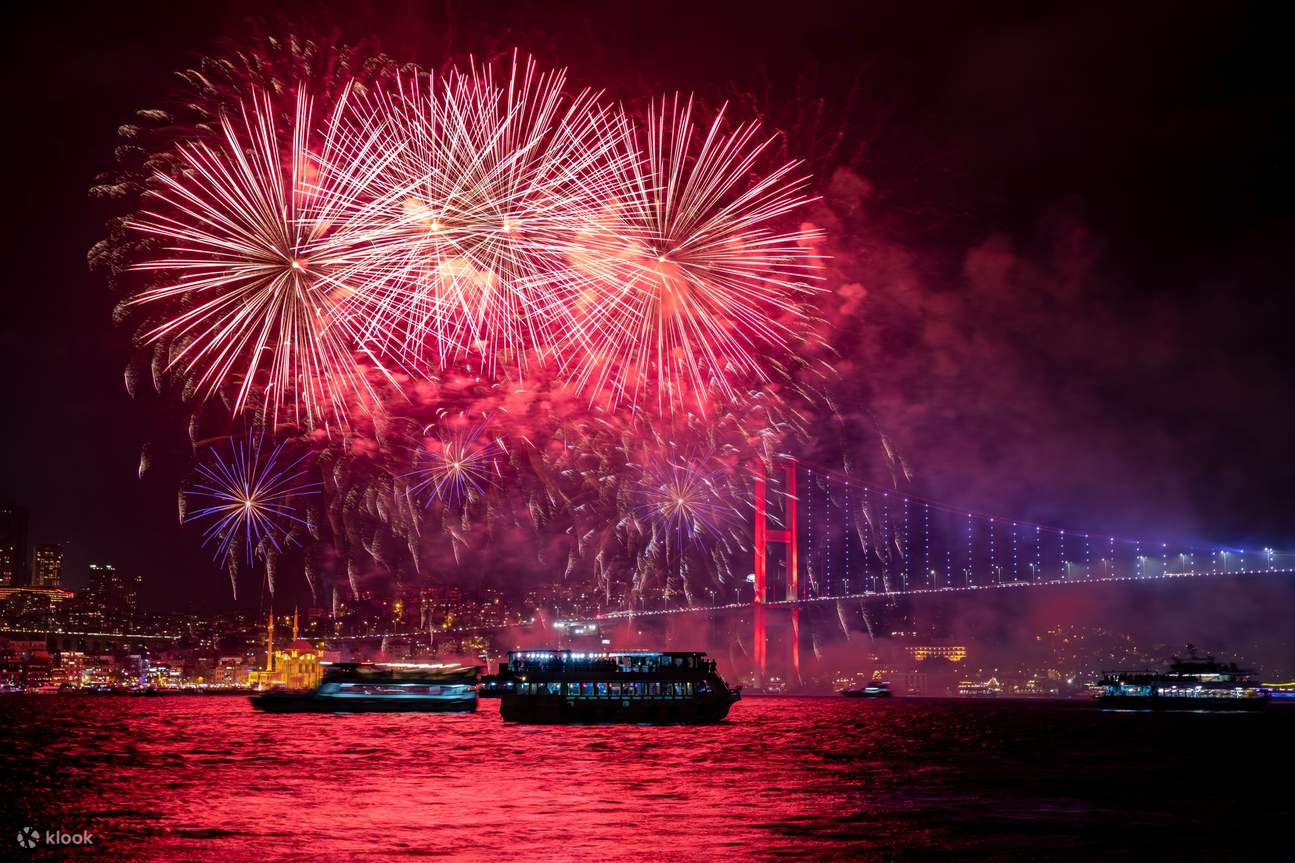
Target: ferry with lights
<point>1194,683</point>
<point>649,687</point>
<point>364,687</point>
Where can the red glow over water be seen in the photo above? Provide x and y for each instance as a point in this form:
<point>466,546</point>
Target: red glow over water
<point>207,779</point>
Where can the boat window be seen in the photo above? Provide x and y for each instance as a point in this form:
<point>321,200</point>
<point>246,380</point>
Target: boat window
<point>615,689</point>
<point>602,688</point>
<point>586,688</point>
<point>554,687</point>
<point>655,688</point>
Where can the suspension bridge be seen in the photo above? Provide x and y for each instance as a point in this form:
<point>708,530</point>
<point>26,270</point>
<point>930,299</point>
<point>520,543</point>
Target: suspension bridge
<point>820,536</point>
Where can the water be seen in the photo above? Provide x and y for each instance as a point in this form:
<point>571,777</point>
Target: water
<point>206,779</point>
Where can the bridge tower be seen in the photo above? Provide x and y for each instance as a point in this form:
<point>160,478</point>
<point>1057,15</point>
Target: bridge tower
<point>764,537</point>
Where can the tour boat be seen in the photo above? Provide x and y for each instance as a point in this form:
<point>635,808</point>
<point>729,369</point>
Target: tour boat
<point>355,687</point>
<point>562,686</point>
<point>1189,684</point>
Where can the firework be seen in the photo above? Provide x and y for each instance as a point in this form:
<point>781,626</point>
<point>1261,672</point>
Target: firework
<point>474,186</point>
<point>455,467</point>
<point>692,280</point>
<point>482,243</point>
<point>250,298</point>
<point>248,497</point>
<point>682,498</point>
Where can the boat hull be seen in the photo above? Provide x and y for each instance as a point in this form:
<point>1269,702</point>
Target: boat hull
<point>541,710</point>
<point>1153,702</point>
<point>271,702</point>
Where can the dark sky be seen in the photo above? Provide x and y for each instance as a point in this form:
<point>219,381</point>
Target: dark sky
<point>1093,201</point>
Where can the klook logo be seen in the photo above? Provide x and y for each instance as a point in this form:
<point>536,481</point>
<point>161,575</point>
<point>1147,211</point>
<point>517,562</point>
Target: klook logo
<point>30,837</point>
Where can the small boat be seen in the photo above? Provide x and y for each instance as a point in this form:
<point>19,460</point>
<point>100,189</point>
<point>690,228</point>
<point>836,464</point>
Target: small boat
<point>355,687</point>
<point>874,689</point>
<point>646,687</point>
<point>1194,683</point>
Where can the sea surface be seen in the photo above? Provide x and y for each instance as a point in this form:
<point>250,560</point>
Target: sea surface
<point>204,778</point>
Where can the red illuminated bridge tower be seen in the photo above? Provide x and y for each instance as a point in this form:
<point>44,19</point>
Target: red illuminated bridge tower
<point>765,536</point>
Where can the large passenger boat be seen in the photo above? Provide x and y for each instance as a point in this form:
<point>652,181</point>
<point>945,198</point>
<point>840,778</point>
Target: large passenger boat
<point>1194,683</point>
<point>561,686</point>
<point>354,687</point>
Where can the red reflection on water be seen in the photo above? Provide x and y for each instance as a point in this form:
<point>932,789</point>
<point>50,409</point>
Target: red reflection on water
<point>207,779</point>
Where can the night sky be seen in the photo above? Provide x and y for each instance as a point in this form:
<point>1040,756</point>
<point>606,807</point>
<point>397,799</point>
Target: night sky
<point>1072,229</point>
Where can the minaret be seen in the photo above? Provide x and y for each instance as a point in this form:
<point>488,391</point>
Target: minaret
<point>294,626</point>
<point>269,643</point>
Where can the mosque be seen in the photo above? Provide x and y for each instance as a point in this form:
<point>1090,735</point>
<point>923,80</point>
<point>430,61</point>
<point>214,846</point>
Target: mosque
<point>296,667</point>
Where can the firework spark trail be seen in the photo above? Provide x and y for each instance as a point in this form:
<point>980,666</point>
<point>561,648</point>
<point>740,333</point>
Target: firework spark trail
<point>471,210</point>
<point>690,277</point>
<point>250,274</point>
<point>248,497</point>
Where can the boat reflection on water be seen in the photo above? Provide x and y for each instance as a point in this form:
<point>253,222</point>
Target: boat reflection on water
<point>355,687</point>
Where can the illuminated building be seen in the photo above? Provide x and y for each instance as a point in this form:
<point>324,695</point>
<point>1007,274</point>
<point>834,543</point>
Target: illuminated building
<point>295,667</point>
<point>30,607</point>
<point>951,652</point>
<point>229,671</point>
<point>13,545</point>
<point>47,566</point>
<point>113,596</point>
